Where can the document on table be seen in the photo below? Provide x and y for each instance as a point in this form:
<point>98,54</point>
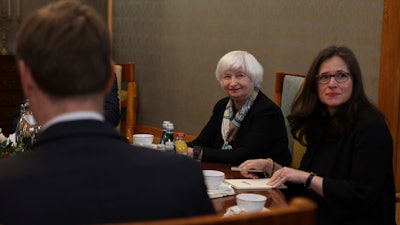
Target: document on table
<point>251,184</point>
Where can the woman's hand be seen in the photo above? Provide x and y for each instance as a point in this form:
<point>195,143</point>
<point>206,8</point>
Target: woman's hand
<point>258,164</point>
<point>286,174</point>
<point>190,152</point>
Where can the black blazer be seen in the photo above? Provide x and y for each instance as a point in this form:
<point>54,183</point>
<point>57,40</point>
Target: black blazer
<point>84,172</point>
<point>262,134</point>
<point>358,175</point>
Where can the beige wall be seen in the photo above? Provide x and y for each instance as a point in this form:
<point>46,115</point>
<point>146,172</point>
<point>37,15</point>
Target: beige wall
<point>176,44</point>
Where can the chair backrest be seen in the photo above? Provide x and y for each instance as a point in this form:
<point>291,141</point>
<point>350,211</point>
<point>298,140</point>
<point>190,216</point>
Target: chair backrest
<point>300,211</point>
<point>127,92</point>
<point>287,85</point>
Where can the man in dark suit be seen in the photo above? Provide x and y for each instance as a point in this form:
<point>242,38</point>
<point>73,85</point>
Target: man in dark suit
<point>81,171</point>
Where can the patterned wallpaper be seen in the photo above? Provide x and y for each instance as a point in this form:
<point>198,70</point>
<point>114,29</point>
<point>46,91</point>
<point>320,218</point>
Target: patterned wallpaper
<point>176,44</point>
<point>27,6</point>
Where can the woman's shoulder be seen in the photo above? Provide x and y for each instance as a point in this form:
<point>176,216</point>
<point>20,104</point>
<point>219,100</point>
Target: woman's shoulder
<point>262,102</point>
<point>222,102</point>
<point>369,113</point>
<point>370,117</point>
<point>265,101</point>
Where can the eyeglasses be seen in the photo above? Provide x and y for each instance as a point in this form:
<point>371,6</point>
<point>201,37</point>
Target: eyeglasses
<point>340,77</point>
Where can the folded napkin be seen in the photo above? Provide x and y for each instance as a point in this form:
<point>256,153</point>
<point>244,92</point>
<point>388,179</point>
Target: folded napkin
<point>10,138</point>
<point>235,210</point>
<point>221,191</point>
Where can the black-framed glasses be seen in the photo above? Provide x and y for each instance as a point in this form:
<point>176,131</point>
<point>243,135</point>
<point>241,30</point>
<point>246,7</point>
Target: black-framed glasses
<point>340,77</point>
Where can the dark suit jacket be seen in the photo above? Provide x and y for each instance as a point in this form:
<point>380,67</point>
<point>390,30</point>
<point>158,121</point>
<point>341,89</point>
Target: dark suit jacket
<point>112,114</point>
<point>85,172</point>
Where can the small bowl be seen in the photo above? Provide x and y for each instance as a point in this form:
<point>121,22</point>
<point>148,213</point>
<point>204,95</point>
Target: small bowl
<point>143,139</point>
<point>213,178</point>
<point>248,202</point>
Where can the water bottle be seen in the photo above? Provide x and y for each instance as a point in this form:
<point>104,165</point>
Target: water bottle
<point>169,139</point>
<point>164,131</point>
<point>180,144</point>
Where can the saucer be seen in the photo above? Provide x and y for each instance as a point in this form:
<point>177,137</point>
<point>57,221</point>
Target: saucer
<point>235,210</point>
<point>221,187</point>
<point>152,146</point>
<point>221,191</point>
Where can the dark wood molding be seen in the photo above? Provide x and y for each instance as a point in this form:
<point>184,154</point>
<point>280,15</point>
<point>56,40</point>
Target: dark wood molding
<point>389,83</point>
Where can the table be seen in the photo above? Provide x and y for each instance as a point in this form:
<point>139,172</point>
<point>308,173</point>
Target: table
<point>275,198</point>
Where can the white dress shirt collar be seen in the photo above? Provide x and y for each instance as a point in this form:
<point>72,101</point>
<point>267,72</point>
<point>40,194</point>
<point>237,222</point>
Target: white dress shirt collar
<point>79,115</point>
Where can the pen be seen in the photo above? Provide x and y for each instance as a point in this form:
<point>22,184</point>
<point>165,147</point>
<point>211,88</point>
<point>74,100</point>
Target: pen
<point>234,168</point>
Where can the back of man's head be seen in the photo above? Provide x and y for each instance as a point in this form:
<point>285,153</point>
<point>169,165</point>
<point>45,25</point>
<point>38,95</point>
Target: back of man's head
<point>66,45</point>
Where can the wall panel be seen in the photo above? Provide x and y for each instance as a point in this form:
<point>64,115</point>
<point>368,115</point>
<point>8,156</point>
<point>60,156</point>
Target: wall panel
<point>389,85</point>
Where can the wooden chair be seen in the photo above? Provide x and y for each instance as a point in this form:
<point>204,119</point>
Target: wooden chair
<point>300,211</point>
<point>287,85</point>
<point>127,92</point>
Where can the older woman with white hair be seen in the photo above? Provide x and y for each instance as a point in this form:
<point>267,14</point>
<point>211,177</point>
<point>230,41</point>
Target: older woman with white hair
<point>246,124</point>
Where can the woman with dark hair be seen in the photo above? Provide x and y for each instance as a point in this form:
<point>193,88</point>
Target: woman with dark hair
<point>347,168</point>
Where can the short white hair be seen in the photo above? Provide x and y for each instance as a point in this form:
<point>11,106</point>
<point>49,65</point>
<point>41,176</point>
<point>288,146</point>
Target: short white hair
<point>240,60</point>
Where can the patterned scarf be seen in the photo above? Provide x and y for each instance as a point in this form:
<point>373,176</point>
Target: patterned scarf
<point>230,125</point>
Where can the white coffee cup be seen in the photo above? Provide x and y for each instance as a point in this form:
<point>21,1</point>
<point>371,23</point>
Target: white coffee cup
<point>143,139</point>
<point>213,178</point>
<point>249,202</point>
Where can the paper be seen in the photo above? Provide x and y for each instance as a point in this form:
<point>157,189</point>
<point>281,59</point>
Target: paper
<point>251,184</point>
